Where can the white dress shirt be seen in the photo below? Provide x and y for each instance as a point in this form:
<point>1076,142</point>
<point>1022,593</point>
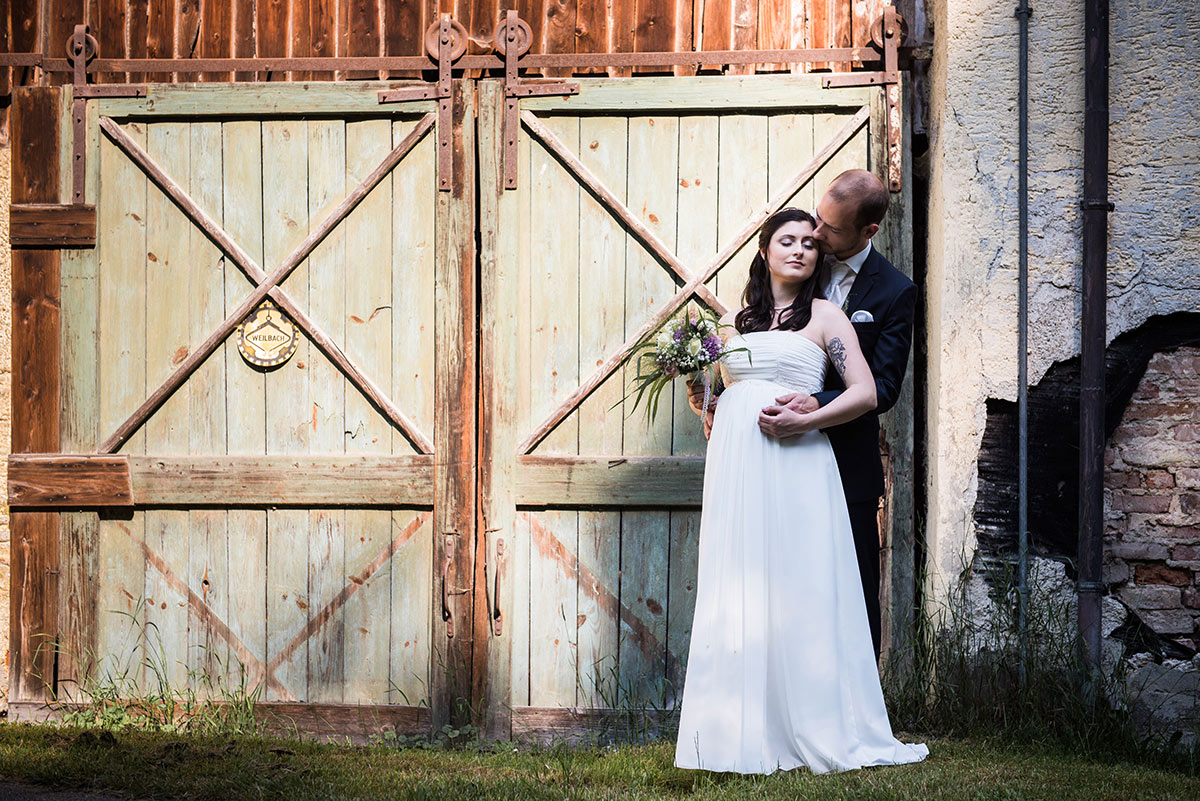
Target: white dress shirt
<point>842,275</point>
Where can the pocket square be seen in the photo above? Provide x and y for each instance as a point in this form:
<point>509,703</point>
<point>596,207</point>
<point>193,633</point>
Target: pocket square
<point>862,316</point>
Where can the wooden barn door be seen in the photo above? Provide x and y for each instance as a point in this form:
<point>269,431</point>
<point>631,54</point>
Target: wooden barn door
<point>307,527</point>
<point>634,197</point>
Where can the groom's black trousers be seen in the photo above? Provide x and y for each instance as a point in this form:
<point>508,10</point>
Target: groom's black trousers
<point>864,524</point>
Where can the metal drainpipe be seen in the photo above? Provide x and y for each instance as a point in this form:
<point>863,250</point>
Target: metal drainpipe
<point>1095,206</point>
<point>1023,13</point>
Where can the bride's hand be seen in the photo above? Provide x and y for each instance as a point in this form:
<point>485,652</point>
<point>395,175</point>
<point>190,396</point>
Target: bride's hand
<point>708,423</point>
<point>779,422</point>
<point>695,393</point>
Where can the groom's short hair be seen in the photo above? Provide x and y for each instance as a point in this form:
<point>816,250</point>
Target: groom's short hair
<point>865,191</point>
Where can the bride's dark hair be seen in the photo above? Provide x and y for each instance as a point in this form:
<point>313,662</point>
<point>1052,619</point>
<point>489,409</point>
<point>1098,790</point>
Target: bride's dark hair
<point>757,299</point>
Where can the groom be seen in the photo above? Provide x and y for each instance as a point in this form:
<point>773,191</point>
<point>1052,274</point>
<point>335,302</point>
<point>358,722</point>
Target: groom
<point>880,302</point>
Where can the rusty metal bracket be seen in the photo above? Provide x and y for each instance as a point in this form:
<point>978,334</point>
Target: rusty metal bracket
<point>82,48</point>
<point>446,42</point>
<point>888,32</point>
<point>513,39</point>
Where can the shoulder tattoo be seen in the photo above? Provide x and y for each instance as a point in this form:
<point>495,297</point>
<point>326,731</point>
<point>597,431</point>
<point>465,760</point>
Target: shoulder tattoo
<point>837,355</point>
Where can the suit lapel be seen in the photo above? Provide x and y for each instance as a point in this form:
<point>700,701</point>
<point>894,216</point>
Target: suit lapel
<point>863,282</point>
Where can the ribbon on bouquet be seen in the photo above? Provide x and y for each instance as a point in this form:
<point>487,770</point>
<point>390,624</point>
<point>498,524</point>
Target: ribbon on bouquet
<point>707,397</point>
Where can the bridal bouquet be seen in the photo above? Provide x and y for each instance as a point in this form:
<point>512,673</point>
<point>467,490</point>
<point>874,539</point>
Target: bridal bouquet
<point>684,346</point>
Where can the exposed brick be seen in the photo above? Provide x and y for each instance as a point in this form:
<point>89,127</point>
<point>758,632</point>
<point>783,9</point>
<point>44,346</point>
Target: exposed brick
<point>1189,503</point>
<point>1136,427</point>
<point>1140,551</point>
<point>1156,504</point>
<point>1182,410</point>
<point>1122,479</point>
<point>1159,479</point>
<point>1161,574</point>
<point>1115,572</point>
<point>1153,597</point>
<point>1187,477</point>
<point>1185,553</point>
<point>1183,535</point>
<point>1187,432</point>
<point>1178,364</point>
<point>1191,597</point>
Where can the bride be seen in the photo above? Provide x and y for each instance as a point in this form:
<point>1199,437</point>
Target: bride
<point>781,670</point>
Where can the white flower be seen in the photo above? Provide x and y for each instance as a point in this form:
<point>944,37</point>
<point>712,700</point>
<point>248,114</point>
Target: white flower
<point>694,347</point>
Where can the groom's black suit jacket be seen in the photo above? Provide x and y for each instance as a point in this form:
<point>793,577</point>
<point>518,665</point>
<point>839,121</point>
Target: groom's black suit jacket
<point>891,299</point>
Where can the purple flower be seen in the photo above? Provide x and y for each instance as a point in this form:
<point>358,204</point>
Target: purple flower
<point>679,334</point>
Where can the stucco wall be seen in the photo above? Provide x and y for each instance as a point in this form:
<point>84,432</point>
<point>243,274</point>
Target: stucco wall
<point>972,254</point>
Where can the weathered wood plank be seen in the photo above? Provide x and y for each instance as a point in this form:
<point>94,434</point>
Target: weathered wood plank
<point>248,590</point>
<point>48,225</point>
<point>454,428</point>
<point>327,390</point>
<point>120,603</point>
<point>602,256</point>
<point>206,297</point>
<point>288,603</point>
<point>695,243</point>
<point>520,556</point>
<point>78,568</point>
<point>216,37</point>
<point>167,262</point>
<point>718,25</point>
<point>597,607</point>
<point>78,531</point>
<point>654,148</point>
<point>500,307</point>
<point>285,224</point>
<point>774,31</point>
<point>340,723</point>
<point>276,480</point>
<point>369,292</point>
<point>790,149</point>
<point>409,652</point>
<point>121,249</point>
<point>404,29</point>
<point>160,36</point>
<point>271,28</point>
<point>359,29</point>
<point>119,334</point>
<point>742,192</point>
<point>169,658</point>
<point>593,25</point>
<point>326,283</point>
<point>645,540</point>
<point>242,202</point>
<point>244,38</point>
<point>649,95</point>
<point>600,481</point>
<point>681,597</point>
<point>44,481</point>
<point>412,278</point>
<point>549,725</point>
<point>843,33</point>
<point>260,100</point>
<point>554,306</point>
<point>368,619</point>
<point>553,611</point>
<point>355,723</point>
<point>187,35</point>
<point>326,578</point>
<point>558,31</point>
<point>209,562</point>
<point>745,32</point>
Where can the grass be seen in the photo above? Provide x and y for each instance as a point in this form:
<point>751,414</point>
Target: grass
<point>160,765</point>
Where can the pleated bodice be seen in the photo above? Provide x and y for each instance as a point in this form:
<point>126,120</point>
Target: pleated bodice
<point>787,358</point>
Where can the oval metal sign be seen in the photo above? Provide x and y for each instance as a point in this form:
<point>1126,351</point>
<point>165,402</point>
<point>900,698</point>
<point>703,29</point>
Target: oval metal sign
<point>267,338</point>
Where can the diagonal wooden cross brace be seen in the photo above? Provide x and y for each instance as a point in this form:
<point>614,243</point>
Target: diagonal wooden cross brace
<point>266,285</point>
<point>694,284</point>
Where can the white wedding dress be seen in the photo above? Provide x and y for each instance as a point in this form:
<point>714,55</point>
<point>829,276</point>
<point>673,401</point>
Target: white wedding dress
<point>781,672</point>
